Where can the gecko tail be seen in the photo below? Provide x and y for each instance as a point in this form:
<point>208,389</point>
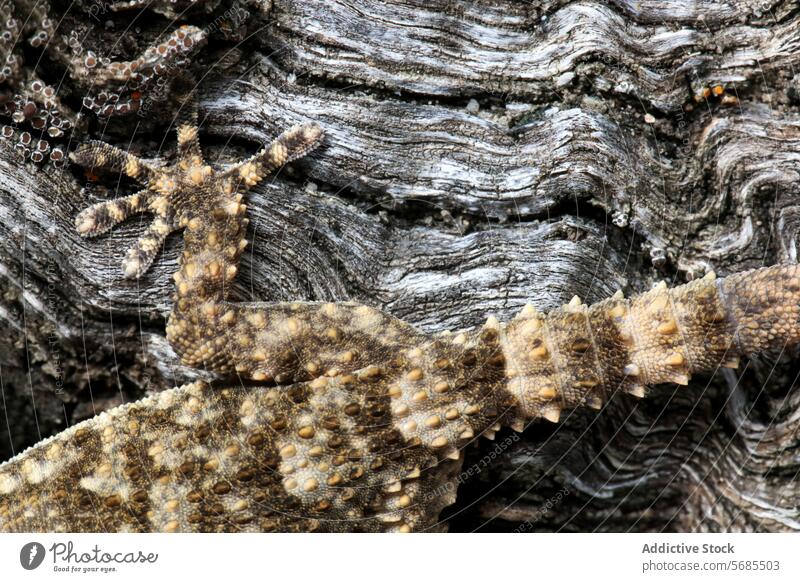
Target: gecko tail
<point>581,355</point>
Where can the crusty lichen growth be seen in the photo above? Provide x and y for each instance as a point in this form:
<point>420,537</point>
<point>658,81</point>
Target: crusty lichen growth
<point>341,417</point>
<point>118,88</point>
<point>33,119</point>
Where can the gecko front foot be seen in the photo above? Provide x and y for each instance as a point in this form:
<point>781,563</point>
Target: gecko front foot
<point>188,190</point>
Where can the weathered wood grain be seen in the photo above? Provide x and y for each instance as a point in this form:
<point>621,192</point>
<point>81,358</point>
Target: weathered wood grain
<point>631,50</point>
<point>710,459</point>
<point>671,181</point>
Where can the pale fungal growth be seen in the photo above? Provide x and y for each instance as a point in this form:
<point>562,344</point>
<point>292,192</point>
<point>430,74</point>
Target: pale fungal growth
<point>338,417</point>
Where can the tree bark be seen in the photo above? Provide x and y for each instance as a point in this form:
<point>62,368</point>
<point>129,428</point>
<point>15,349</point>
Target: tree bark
<point>478,156</point>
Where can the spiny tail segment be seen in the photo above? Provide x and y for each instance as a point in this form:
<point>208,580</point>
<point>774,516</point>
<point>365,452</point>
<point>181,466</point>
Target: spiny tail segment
<point>291,145</point>
<point>579,355</point>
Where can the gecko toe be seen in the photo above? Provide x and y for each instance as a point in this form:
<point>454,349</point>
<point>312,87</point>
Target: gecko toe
<point>141,255</point>
<point>101,217</point>
<point>86,222</point>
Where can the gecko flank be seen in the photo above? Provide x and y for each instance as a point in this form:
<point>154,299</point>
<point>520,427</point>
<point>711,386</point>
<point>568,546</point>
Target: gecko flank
<point>338,417</point>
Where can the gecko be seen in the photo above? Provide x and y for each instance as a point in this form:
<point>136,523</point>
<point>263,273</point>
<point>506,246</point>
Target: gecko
<point>338,416</point>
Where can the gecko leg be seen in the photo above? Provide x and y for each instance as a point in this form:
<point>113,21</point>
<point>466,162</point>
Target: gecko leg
<point>189,194</point>
<point>189,150</point>
<point>98,154</point>
<point>291,145</point>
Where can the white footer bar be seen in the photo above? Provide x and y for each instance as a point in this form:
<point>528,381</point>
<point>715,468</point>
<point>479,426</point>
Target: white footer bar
<point>401,558</point>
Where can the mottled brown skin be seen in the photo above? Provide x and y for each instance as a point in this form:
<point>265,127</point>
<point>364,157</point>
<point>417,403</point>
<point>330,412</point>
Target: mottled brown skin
<point>339,417</point>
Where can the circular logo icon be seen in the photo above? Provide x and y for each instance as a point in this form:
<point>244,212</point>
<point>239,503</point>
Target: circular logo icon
<point>31,555</point>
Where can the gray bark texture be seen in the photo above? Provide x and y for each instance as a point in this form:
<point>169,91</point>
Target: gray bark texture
<point>479,155</point>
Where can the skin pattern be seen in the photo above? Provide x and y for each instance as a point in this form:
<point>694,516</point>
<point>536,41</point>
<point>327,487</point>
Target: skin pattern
<point>338,417</point>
